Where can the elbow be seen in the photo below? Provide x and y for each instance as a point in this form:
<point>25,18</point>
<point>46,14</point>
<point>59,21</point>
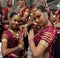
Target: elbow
<point>3,53</point>
<point>35,54</point>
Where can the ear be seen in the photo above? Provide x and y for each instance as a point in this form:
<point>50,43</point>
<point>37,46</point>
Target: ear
<point>45,15</point>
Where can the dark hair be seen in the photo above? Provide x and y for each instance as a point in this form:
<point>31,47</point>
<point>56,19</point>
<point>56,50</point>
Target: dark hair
<point>12,14</point>
<point>1,12</point>
<point>42,8</point>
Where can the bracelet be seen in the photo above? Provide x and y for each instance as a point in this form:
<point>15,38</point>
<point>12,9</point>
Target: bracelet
<point>31,41</point>
<point>20,46</point>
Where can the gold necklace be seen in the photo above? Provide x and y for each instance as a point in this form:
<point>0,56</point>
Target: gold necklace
<point>15,33</point>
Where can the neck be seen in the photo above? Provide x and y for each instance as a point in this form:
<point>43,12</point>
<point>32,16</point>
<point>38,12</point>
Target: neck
<point>47,23</point>
<point>14,29</point>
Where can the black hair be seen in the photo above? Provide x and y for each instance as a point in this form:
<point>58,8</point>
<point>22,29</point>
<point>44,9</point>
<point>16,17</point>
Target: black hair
<point>12,14</point>
<point>42,8</point>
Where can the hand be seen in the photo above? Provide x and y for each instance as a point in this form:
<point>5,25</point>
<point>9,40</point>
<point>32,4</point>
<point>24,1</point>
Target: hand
<point>25,31</point>
<point>31,34</point>
<point>21,39</point>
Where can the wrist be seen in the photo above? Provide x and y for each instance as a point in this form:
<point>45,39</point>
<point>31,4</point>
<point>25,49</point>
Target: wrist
<point>31,41</point>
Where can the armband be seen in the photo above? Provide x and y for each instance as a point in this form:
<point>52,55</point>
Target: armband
<point>44,43</point>
<point>4,40</point>
<point>25,25</point>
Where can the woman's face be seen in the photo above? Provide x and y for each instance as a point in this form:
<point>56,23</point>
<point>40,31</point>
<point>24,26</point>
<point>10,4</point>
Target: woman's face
<point>40,18</point>
<point>9,2</point>
<point>15,21</point>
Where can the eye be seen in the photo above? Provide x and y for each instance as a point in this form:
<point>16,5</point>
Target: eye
<point>15,20</point>
<point>38,16</point>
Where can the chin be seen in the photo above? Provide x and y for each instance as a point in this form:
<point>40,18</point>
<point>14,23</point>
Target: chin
<point>40,25</point>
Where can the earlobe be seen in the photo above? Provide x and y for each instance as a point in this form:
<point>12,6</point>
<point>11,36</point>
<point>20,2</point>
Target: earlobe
<point>45,16</point>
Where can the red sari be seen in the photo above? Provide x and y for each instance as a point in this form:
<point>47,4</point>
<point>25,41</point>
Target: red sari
<point>12,42</point>
<point>47,34</point>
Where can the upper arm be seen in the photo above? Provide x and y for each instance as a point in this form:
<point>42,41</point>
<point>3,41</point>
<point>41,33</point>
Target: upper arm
<point>4,41</point>
<point>46,39</point>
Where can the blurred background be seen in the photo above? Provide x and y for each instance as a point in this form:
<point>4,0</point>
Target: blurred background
<point>54,4</point>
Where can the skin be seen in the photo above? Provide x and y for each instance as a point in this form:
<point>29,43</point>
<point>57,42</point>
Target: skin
<point>15,21</point>
<point>38,51</point>
<point>14,24</point>
<point>23,6</point>
<point>40,21</point>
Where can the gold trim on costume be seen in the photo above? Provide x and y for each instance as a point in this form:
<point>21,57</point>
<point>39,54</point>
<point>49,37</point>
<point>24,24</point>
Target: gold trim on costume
<point>48,33</point>
<point>44,43</point>
<point>16,34</point>
<point>47,36</point>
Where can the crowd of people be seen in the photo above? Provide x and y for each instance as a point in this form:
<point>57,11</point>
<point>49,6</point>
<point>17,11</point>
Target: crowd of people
<point>34,27</point>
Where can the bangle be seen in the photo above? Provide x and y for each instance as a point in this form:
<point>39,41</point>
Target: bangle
<point>31,41</point>
<point>20,46</point>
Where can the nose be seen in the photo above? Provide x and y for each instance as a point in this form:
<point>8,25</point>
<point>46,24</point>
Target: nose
<point>37,20</point>
<point>17,23</point>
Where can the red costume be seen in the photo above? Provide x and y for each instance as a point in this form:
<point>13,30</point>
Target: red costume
<point>47,34</point>
<point>12,42</point>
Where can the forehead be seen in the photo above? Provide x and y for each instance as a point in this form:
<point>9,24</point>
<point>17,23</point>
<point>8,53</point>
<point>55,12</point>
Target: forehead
<point>38,12</point>
<point>16,17</point>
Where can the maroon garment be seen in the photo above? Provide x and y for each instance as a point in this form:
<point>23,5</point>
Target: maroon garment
<point>48,34</point>
<point>23,11</point>
<point>12,42</point>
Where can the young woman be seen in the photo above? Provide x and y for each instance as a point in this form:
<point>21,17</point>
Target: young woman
<point>41,44</point>
<point>24,11</point>
<point>12,39</point>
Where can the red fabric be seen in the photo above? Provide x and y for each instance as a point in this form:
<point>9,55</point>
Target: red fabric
<point>38,37</point>
<point>23,11</point>
<point>5,9</point>
<point>12,42</point>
